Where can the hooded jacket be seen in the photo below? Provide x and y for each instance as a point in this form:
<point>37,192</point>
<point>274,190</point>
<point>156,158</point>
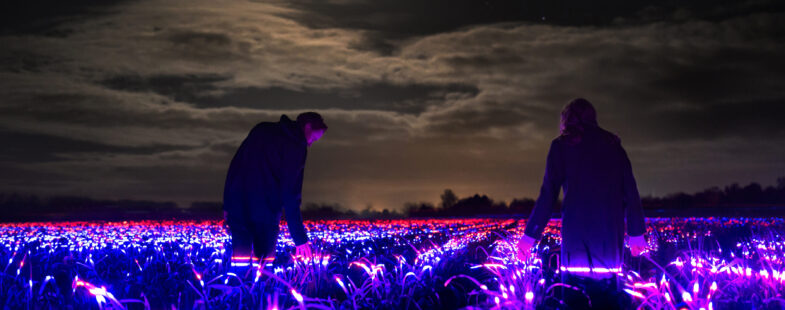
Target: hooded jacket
<point>266,177</point>
<point>600,194</point>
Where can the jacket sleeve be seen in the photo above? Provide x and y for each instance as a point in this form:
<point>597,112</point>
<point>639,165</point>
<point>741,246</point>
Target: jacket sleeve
<point>549,192</point>
<point>292,196</point>
<point>636,225</point>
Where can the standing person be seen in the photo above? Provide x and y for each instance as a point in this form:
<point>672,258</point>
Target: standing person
<point>600,194</point>
<point>264,178</point>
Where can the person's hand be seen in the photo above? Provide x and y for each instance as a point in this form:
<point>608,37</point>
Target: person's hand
<point>524,247</point>
<point>637,245</point>
<point>304,251</point>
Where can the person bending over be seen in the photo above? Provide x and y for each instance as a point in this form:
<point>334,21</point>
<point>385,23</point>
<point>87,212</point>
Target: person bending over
<point>264,178</point>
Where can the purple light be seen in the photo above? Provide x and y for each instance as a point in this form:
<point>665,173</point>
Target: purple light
<point>297,296</point>
<point>392,251</point>
<point>590,270</point>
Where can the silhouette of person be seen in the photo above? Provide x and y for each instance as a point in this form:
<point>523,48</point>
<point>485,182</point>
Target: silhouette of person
<point>599,195</point>
<point>264,178</point>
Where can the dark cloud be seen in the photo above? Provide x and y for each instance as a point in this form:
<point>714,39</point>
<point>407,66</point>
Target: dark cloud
<point>224,147</point>
<point>200,39</point>
<point>388,21</point>
<point>41,17</point>
<point>411,17</point>
<point>16,59</point>
<point>205,46</point>
<point>759,119</point>
<point>499,56</point>
<point>184,88</point>
<point>32,179</point>
<point>195,89</point>
<point>39,148</point>
<point>410,99</point>
<point>714,75</point>
<point>115,117</point>
<point>477,119</point>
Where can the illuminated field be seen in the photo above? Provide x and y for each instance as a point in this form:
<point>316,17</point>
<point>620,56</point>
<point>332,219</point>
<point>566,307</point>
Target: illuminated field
<point>728,263</point>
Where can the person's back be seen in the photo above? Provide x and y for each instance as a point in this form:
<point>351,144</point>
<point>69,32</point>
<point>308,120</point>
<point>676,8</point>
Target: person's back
<point>593,207</point>
<point>600,195</point>
<point>270,153</point>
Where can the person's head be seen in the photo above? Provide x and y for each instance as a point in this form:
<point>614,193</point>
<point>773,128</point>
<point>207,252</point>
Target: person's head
<point>576,116</point>
<point>313,126</point>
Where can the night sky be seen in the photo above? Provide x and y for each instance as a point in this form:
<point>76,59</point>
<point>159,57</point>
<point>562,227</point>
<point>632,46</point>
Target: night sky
<point>150,99</point>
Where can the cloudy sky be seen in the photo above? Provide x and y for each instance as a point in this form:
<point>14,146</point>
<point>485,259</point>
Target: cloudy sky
<point>150,99</point>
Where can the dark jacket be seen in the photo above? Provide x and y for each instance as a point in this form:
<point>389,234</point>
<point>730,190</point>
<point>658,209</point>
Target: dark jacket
<point>599,195</point>
<point>266,175</point>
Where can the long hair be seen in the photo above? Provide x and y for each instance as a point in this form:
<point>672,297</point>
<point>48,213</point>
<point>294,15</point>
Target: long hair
<point>576,117</point>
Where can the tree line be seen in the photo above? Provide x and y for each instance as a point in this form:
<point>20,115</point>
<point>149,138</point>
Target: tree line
<point>751,199</point>
<point>29,207</point>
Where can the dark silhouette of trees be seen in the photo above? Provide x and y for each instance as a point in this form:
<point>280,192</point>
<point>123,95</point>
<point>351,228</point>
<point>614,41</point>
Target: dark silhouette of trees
<point>15,204</point>
<point>478,205</point>
<point>326,211</point>
<point>733,195</point>
<point>421,209</point>
<point>708,197</point>
<point>452,206</point>
<point>522,206</point>
<point>206,209</point>
<point>449,199</point>
<point>21,207</point>
<point>370,213</point>
<point>751,199</point>
<point>734,200</point>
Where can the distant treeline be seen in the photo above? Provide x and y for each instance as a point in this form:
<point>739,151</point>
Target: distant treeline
<point>21,207</point>
<point>733,200</point>
<point>750,200</point>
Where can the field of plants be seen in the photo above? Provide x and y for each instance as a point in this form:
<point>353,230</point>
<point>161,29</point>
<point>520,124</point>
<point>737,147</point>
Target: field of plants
<point>692,263</point>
